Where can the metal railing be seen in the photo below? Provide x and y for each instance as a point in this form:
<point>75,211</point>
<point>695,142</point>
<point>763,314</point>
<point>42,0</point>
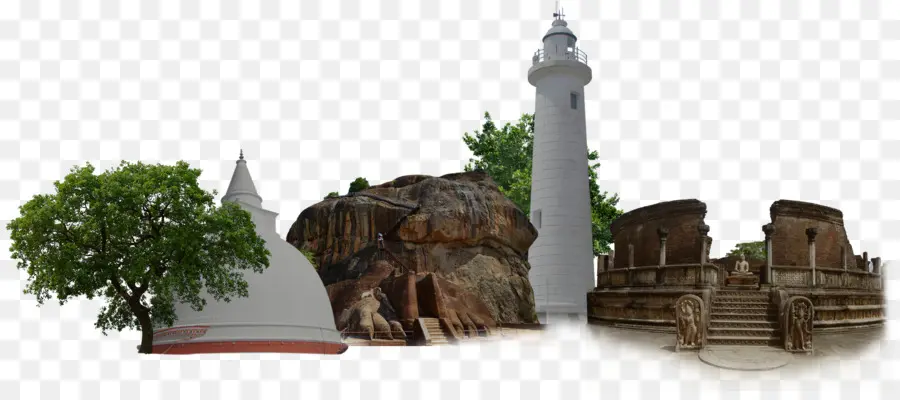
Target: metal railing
<point>575,54</point>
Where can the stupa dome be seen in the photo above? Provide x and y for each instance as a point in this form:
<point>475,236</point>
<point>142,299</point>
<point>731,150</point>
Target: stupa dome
<point>287,310</point>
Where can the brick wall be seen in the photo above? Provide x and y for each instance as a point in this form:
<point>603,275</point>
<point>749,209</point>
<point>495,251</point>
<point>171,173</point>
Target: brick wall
<point>790,244</point>
<point>639,228</point>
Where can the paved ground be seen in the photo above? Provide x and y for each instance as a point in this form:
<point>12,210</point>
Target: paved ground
<point>745,358</point>
<point>828,348</point>
<point>499,334</point>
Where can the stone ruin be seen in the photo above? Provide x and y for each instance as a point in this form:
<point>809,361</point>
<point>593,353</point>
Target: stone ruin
<point>811,280</point>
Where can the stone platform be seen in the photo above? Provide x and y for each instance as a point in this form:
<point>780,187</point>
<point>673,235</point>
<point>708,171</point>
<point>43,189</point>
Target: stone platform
<point>744,358</point>
<point>742,282</point>
<point>376,342</point>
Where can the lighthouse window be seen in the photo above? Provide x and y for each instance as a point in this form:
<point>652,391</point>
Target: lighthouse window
<point>536,218</point>
<point>573,99</point>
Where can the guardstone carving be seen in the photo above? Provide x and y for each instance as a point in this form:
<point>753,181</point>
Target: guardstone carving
<point>690,323</point>
<point>798,324</point>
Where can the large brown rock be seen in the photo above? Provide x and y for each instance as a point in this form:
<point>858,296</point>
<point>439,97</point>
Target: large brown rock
<point>456,247</point>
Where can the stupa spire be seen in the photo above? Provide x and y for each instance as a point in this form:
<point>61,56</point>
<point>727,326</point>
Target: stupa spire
<point>241,187</point>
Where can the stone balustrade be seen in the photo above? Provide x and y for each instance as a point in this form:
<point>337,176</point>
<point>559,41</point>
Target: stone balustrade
<point>699,275</point>
<point>704,274</point>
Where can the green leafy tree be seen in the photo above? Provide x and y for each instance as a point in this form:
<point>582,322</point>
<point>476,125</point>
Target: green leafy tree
<point>332,195</point>
<point>311,257</point>
<point>505,153</point>
<point>140,236</point>
<point>751,250</point>
<point>358,184</point>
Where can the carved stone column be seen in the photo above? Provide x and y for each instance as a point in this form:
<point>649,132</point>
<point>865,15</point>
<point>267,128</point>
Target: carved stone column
<point>663,237</point>
<point>630,255</point>
<point>844,257</point>
<point>704,233</point>
<point>811,239</point>
<point>876,265</point>
<point>630,264</point>
<point>768,230</point>
<point>866,261</point>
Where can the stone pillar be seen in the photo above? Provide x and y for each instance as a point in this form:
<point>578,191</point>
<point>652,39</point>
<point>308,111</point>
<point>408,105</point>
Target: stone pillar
<point>768,230</point>
<point>663,237</point>
<point>866,261</point>
<point>630,255</point>
<point>602,266</point>
<point>844,257</point>
<point>410,309</point>
<point>876,265</point>
<point>704,232</point>
<point>811,239</point>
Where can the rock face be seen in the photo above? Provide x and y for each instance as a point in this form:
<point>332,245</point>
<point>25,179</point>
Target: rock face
<point>455,249</point>
<point>789,242</point>
<point>638,228</point>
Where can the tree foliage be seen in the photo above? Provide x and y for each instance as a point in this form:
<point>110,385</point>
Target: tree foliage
<point>751,250</point>
<point>140,236</point>
<point>311,257</point>
<point>332,195</point>
<point>358,184</point>
<point>505,154</point>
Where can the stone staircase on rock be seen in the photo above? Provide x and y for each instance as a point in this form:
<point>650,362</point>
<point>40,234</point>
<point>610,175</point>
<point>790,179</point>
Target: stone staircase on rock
<point>437,334</point>
<point>743,317</point>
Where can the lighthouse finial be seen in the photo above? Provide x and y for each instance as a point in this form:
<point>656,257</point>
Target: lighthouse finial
<point>559,14</point>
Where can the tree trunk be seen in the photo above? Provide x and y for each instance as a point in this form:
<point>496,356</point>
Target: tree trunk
<point>146,332</point>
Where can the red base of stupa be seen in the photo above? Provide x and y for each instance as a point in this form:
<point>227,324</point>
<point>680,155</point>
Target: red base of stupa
<point>296,347</point>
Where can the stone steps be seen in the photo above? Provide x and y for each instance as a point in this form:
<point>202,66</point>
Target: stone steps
<point>744,318</point>
<point>741,324</point>
<point>761,316</point>
<point>733,302</point>
<point>739,306</point>
<point>742,294</point>
<point>751,332</point>
<point>435,331</point>
<point>741,341</point>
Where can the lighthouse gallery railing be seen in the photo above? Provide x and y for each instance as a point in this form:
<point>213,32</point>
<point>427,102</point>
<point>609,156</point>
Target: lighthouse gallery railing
<point>574,54</point>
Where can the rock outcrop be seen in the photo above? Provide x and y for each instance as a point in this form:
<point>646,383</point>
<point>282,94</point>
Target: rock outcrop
<point>455,249</point>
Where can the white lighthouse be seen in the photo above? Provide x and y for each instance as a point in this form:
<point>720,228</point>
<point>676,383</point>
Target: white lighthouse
<point>561,257</point>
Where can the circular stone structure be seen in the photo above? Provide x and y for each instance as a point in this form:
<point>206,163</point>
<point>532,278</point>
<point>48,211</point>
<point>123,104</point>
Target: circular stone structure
<point>287,310</point>
<point>745,358</point>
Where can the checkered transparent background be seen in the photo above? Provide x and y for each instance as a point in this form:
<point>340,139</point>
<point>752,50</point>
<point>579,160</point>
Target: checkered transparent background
<point>734,103</point>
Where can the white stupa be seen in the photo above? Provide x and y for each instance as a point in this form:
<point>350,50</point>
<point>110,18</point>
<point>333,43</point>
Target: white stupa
<point>287,310</point>
<point>561,258</point>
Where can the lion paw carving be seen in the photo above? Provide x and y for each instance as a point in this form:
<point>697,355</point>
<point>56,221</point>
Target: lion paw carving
<point>363,317</point>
